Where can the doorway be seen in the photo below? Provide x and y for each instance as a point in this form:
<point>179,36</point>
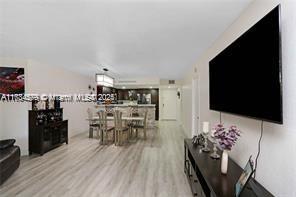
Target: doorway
<point>169,104</point>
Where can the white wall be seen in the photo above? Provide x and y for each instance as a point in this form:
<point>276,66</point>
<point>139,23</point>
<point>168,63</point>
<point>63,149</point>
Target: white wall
<point>186,108</point>
<point>45,79</point>
<point>1,121</point>
<point>15,115</point>
<point>41,78</point>
<point>179,102</point>
<point>276,167</point>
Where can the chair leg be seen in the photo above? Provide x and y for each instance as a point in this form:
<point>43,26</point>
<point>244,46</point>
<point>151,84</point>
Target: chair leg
<point>121,134</point>
<point>91,132</point>
<point>98,133</point>
<point>130,134</point>
<point>115,137</point>
<point>102,136</point>
<point>118,137</point>
<point>128,137</point>
<point>145,135</point>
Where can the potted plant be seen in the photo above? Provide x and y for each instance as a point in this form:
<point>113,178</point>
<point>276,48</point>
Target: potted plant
<point>226,138</point>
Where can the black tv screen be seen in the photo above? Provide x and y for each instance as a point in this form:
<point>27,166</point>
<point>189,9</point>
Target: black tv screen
<point>245,78</point>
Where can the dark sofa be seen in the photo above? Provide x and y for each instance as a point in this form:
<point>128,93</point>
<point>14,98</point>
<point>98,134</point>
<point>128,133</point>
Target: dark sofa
<point>9,159</point>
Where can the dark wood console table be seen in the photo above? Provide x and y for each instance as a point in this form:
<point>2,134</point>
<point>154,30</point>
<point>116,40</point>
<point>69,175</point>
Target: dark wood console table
<point>205,178</point>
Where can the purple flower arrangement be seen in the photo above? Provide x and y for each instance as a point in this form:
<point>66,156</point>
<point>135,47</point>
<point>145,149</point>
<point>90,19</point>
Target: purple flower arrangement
<point>226,137</point>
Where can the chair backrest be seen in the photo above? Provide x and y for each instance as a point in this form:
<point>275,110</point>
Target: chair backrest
<point>135,115</point>
<point>118,120</point>
<point>134,112</point>
<point>89,113</point>
<point>109,110</point>
<point>103,119</point>
<point>145,118</point>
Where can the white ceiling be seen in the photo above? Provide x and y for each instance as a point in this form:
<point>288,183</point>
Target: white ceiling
<point>133,38</point>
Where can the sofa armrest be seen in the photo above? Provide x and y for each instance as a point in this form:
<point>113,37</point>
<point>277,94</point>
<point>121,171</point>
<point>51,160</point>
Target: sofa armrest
<point>6,143</point>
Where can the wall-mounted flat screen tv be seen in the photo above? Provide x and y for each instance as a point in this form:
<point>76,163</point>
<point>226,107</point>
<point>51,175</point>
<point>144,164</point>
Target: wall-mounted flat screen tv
<point>245,78</point>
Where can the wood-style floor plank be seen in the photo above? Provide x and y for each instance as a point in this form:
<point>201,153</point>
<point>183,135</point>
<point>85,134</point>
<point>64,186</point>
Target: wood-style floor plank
<point>85,168</point>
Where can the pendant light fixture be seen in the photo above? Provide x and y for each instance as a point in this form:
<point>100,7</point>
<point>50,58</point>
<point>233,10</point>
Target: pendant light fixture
<point>104,79</point>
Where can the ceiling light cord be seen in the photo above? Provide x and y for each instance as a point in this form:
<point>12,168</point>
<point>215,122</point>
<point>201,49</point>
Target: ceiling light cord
<point>259,149</point>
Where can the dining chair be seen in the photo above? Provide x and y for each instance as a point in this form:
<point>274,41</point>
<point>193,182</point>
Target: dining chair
<point>134,111</point>
<point>93,124</point>
<point>134,123</point>
<point>109,110</point>
<point>120,128</point>
<point>104,128</point>
<point>142,125</point>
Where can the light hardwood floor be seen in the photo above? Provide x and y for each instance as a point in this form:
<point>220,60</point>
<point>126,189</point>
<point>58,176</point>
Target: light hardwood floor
<point>84,168</point>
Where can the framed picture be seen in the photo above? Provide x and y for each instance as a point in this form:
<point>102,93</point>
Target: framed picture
<point>244,178</point>
<point>12,80</point>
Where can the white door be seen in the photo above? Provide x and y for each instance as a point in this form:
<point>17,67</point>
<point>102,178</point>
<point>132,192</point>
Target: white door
<point>169,104</point>
<point>195,107</point>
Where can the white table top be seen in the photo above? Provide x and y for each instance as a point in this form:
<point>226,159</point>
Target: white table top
<point>123,118</point>
<point>125,105</point>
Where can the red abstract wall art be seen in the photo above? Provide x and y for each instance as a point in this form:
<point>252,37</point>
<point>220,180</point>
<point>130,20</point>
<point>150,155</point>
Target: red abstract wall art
<point>12,80</point>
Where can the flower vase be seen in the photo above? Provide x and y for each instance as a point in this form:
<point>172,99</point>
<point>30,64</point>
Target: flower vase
<point>224,162</point>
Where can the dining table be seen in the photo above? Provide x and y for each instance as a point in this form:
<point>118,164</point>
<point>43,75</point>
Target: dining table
<point>125,118</point>
<point>111,118</point>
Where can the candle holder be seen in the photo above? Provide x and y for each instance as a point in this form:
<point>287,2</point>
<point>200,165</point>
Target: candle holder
<point>206,148</point>
<point>214,154</point>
